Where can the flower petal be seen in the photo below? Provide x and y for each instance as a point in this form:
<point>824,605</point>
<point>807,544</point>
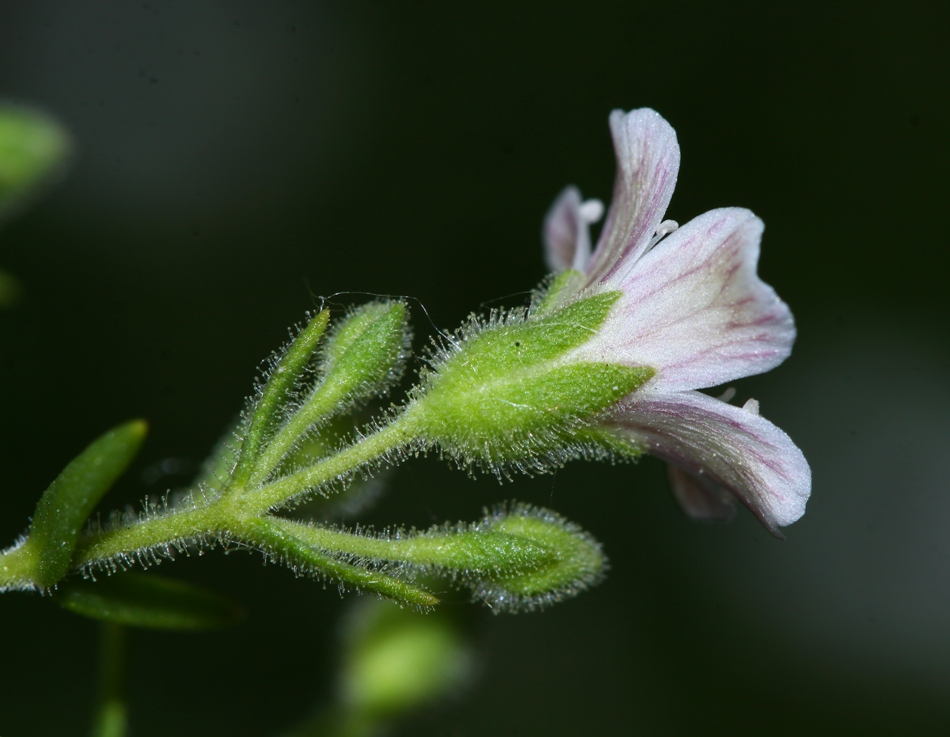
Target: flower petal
<point>566,235</point>
<point>725,448</point>
<point>694,308</point>
<point>566,238</point>
<point>698,500</point>
<point>648,159</point>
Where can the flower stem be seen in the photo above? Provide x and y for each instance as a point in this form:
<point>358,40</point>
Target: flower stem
<point>227,515</point>
<point>398,433</point>
<point>112,717</point>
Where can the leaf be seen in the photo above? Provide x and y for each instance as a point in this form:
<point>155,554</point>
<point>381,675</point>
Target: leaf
<point>146,600</point>
<point>67,503</point>
<point>283,379</point>
<point>33,148</point>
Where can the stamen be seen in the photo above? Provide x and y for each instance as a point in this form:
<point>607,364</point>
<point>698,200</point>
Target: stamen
<point>727,395</point>
<point>751,406</point>
<point>663,230</point>
<point>591,211</point>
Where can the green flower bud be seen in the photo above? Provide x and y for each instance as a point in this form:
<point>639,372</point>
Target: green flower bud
<point>360,359</point>
<point>364,356</point>
<point>574,562</point>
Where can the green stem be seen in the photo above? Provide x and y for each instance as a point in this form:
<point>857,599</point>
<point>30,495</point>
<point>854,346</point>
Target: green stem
<point>226,514</point>
<point>210,520</point>
<point>318,408</point>
<point>112,717</point>
<point>465,550</point>
<point>400,432</point>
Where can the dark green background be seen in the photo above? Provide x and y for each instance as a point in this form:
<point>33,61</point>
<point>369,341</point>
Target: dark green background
<point>236,161</point>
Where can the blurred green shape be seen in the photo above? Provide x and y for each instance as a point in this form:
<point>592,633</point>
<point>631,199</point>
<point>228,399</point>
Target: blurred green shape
<point>144,600</point>
<point>398,660</point>
<point>33,149</point>
<point>67,503</point>
<point>9,290</point>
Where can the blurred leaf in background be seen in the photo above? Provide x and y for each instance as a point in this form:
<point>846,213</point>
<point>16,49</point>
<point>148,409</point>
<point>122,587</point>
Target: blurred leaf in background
<point>33,150</point>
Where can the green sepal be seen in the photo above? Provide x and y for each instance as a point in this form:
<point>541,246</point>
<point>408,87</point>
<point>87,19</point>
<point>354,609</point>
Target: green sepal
<point>145,600</point>
<point>505,395</point>
<point>67,503</point>
<point>529,412</point>
<point>277,538</point>
<point>496,351</point>
<point>613,444</point>
<point>33,148</point>
<point>556,290</point>
<point>283,379</point>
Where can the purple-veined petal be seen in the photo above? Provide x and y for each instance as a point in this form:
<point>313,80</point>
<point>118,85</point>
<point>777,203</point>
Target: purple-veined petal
<point>694,308</point>
<point>698,500</point>
<point>648,159</point>
<point>725,448</point>
<point>566,230</point>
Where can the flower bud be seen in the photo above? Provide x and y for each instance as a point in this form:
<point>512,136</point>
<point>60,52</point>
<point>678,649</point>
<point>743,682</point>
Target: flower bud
<point>575,561</point>
<point>364,355</point>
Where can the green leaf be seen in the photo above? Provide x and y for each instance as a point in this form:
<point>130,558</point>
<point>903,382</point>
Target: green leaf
<point>145,600</point>
<point>283,379</point>
<point>33,148</point>
<point>67,503</point>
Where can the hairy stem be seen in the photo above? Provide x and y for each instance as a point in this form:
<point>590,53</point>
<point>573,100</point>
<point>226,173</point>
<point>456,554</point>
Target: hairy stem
<point>225,516</point>
<point>399,433</point>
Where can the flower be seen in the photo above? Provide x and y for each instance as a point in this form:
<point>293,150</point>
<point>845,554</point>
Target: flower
<point>693,309</point>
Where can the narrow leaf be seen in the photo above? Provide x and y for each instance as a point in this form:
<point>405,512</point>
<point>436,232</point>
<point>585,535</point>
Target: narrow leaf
<point>145,600</point>
<point>281,382</point>
<point>67,503</point>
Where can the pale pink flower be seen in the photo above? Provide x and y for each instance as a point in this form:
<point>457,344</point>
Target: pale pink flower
<point>694,309</point>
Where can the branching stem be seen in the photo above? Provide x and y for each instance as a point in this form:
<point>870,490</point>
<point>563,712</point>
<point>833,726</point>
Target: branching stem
<point>227,515</point>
